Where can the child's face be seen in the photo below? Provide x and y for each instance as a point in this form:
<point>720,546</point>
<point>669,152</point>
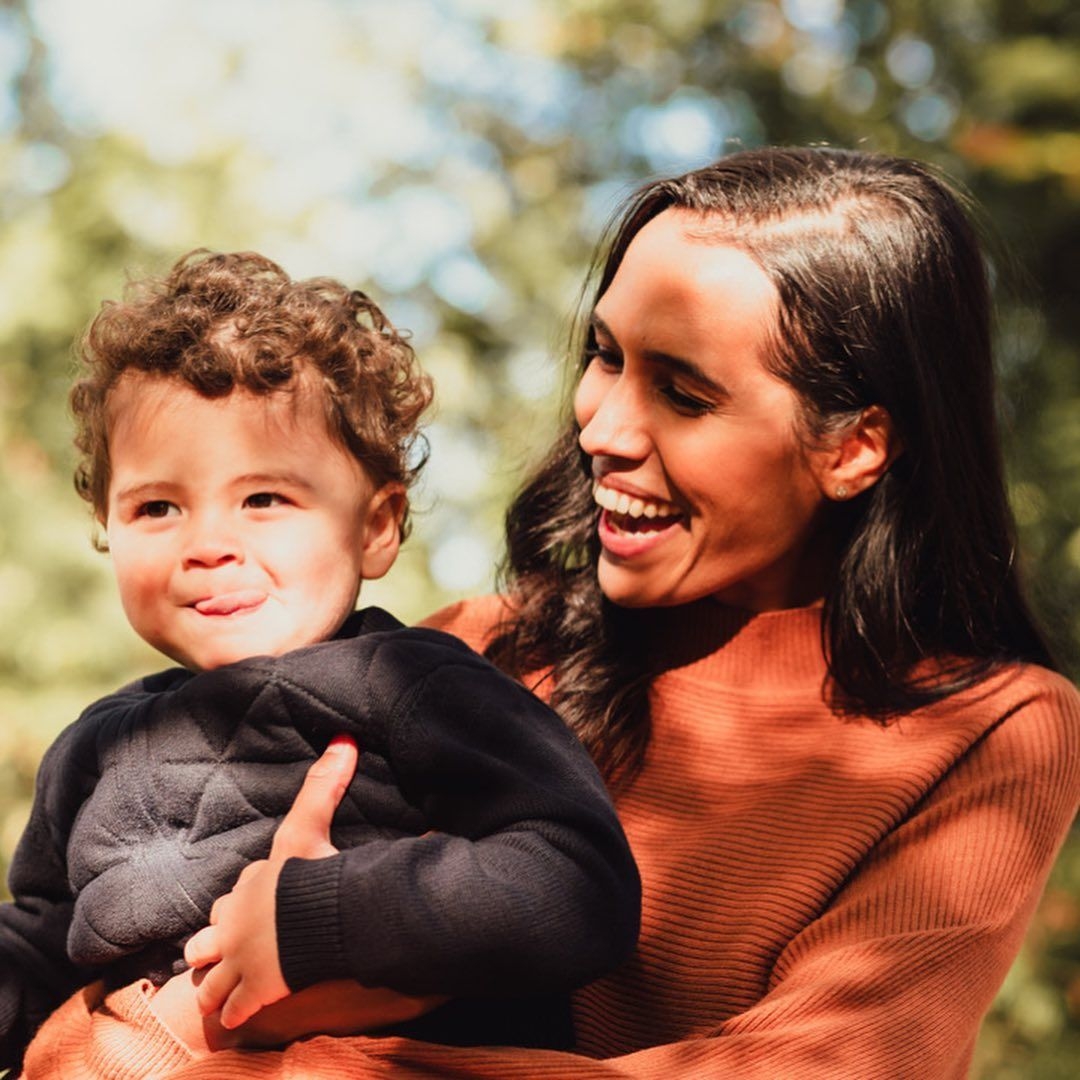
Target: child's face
<point>238,526</point>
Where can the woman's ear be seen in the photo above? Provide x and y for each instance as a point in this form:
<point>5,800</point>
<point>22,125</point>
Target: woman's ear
<point>382,530</point>
<point>860,456</point>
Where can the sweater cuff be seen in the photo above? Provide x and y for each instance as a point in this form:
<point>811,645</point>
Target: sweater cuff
<point>307,910</point>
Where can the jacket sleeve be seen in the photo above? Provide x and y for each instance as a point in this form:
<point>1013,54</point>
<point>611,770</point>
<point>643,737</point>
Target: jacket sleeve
<point>892,980</point>
<point>525,867</point>
<point>35,972</point>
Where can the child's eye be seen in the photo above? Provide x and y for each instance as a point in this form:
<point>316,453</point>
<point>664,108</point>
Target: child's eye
<point>157,508</point>
<point>263,500</point>
<point>685,403</point>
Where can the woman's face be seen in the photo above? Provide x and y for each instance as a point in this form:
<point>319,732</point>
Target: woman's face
<point>705,486</point>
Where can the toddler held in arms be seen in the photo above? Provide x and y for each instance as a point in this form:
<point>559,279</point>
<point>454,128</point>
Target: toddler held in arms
<point>247,444</point>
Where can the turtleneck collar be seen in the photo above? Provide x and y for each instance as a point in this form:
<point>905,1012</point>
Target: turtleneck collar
<point>783,648</point>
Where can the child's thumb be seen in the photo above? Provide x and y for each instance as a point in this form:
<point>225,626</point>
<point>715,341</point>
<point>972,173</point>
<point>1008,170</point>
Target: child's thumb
<point>304,832</point>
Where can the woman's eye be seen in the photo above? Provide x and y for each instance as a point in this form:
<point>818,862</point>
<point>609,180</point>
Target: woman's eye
<point>686,403</point>
<point>263,500</point>
<point>608,359</point>
<point>157,508</point>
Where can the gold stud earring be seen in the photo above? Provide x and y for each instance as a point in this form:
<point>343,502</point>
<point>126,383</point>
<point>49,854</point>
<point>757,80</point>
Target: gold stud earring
<point>842,492</point>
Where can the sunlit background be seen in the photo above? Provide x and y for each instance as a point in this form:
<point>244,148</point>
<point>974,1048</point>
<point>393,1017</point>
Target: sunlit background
<point>457,159</point>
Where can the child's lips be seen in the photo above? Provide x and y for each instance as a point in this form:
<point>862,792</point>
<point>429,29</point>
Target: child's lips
<point>229,603</point>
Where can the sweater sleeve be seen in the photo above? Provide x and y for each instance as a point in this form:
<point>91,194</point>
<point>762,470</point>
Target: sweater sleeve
<point>893,978</point>
<point>35,972</point>
<point>525,868</point>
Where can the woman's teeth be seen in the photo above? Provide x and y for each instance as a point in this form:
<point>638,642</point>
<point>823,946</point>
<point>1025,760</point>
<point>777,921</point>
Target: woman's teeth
<point>618,502</point>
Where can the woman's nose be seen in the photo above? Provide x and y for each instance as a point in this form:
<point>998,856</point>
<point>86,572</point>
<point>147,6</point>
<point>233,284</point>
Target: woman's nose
<point>613,421</point>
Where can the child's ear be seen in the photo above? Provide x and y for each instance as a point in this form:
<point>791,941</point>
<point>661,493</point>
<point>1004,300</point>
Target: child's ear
<point>382,530</point>
<point>99,537</point>
<point>860,456</point>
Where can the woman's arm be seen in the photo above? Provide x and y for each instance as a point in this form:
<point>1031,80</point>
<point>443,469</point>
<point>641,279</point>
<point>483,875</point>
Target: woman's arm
<point>340,1008</point>
<point>894,976</point>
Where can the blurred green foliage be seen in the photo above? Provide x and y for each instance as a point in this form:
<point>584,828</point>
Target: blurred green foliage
<point>491,144</point>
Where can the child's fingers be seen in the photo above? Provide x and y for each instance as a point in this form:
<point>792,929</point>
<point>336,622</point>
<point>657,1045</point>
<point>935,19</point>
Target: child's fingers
<point>214,989</point>
<point>223,904</point>
<point>203,948</point>
<point>240,1006</point>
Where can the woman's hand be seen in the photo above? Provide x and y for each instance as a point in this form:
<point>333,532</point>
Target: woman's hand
<point>241,941</point>
<point>341,1007</point>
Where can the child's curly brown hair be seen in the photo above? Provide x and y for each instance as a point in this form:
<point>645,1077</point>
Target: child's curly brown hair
<point>221,321</point>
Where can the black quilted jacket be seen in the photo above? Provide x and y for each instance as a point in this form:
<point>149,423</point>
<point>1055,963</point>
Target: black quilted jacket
<point>480,853</point>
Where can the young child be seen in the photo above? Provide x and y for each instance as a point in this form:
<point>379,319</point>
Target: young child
<point>247,445</point>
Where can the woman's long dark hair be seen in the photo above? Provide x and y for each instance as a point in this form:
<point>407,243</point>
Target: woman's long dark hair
<point>884,301</point>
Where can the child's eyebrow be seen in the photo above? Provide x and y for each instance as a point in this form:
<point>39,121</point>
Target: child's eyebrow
<point>150,489</point>
<point>162,489</point>
<point>273,479</point>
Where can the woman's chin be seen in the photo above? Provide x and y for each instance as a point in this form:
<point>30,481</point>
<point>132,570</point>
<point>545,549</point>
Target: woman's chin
<point>627,590</point>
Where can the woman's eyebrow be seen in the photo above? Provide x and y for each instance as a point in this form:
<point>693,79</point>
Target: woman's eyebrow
<point>597,324</point>
<point>687,368</point>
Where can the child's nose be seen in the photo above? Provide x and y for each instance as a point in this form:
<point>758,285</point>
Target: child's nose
<point>211,543</point>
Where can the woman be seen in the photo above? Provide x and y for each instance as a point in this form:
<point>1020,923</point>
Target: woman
<point>767,574</point>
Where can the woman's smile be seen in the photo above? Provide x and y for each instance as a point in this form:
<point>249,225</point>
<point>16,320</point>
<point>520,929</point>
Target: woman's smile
<point>631,524</point>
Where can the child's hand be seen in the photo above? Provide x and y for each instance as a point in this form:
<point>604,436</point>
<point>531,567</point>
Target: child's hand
<point>241,944</point>
<point>241,940</point>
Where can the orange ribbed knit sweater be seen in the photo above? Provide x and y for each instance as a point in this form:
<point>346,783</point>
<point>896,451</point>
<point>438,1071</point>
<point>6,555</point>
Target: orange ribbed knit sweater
<point>823,897</point>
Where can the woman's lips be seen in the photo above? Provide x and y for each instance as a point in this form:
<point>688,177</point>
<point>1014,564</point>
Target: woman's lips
<point>624,537</point>
<point>633,523</point>
<point>229,603</point>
